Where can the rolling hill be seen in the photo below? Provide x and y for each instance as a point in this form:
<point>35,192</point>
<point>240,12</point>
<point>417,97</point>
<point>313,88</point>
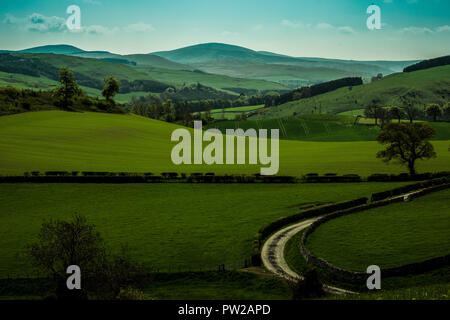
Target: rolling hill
<point>427,86</point>
<point>75,141</point>
<point>19,69</point>
<point>238,61</point>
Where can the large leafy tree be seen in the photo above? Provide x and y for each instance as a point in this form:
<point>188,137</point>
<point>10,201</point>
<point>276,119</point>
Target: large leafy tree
<point>396,113</point>
<point>434,111</point>
<point>411,111</point>
<point>446,109</point>
<point>68,89</point>
<point>406,143</point>
<point>111,88</point>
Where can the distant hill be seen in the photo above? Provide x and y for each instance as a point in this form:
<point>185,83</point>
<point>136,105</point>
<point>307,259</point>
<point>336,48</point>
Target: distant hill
<point>157,62</point>
<point>138,59</point>
<point>40,71</point>
<point>56,49</point>
<point>426,86</point>
<point>238,61</point>
<point>431,63</point>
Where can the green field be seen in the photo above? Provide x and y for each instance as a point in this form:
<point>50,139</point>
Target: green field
<point>239,109</point>
<point>218,286</point>
<point>426,84</point>
<point>322,128</point>
<point>231,113</point>
<point>390,236</point>
<point>180,77</point>
<point>74,141</point>
<point>167,226</point>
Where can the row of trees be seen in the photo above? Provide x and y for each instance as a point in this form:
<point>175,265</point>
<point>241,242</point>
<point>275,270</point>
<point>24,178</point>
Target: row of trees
<point>383,116</point>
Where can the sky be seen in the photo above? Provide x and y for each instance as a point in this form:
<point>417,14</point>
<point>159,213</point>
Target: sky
<point>410,29</point>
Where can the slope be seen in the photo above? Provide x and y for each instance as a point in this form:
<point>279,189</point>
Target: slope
<point>426,86</point>
<point>74,141</point>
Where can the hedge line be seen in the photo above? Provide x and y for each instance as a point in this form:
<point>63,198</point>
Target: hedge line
<point>379,177</point>
<point>130,177</point>
<point>408,188</point>
<point>360,277</point>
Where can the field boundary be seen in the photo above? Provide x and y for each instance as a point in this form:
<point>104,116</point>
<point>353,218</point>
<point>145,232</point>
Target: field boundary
<point>175,177</point>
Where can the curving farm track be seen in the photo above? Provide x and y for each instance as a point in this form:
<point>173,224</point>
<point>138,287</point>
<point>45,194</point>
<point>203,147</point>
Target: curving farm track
<point>272,254</point>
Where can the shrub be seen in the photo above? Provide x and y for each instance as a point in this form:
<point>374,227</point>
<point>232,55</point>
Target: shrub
<point>309,287</point>
<point>169,175</point>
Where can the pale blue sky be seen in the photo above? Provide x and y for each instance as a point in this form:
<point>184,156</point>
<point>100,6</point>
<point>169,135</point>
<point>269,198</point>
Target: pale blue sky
<point>412,29</point>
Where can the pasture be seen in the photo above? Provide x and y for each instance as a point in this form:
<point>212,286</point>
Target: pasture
<point>167,226</point>
<point>74,141</point>
<point>391,236</point>
<point>386,92</point>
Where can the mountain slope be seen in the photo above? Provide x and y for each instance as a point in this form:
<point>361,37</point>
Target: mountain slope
<point>238,61</point>
<point>139,59</point>
<point>425,86</point>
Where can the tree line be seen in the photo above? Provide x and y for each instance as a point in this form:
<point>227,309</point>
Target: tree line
<point>407,110</point>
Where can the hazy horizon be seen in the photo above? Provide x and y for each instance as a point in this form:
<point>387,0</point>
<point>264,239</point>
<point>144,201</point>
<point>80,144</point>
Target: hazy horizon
<point>411,29</point>
<point>230,44</point>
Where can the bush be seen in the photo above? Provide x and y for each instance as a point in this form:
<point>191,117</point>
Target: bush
<point>308,288</point>
<point>169,175</point>
<point>378,177</point>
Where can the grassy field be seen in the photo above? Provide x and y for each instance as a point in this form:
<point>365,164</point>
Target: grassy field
<point>429,285</point>
<point>57,140</point>
<point>322,128</point>
<point>166,225</point>
<point>390,236</point>
<point>239,109</point>
<point>426,83</point>
<point>231,113</point>
<point>180,77</point>
<point>433,292</point>
<point>218,286</point>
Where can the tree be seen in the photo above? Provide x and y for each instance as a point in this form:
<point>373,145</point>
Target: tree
<point>371,112</point>
<point>384,115</point>
<point>434,111</point>
<point>62,244</point>
<point>446,110</point>
<point>111,88</point>
<point>410,110</point>
<point>68,89</point>
<point>407,143</point>
<point>396,113</point>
